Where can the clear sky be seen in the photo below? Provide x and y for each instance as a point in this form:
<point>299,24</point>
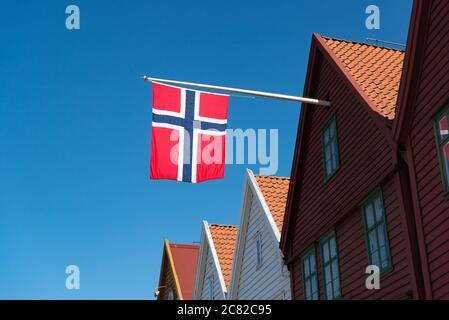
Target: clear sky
<point>75,126</point>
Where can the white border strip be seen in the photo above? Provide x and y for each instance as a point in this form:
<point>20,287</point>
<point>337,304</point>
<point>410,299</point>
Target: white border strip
<point>195,142</point>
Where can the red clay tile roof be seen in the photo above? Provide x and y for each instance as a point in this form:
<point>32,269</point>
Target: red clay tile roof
<point>224,238</point>
<point>377,70</point>
<point>275,190</point>
<point>185,258</point>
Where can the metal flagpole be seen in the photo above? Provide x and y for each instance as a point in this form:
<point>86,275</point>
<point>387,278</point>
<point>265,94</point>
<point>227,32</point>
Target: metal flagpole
<point>242,91</point>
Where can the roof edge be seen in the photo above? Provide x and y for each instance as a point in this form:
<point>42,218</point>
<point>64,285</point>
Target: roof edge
<point>172,266</point>
<point>215,257</point>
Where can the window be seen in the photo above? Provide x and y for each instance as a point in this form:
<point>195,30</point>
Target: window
<point>376,232</point>
<point>331,273</point>
<point>331,157</point>
<point>442,137</point>
<point>309,276</point>
<point>171,296</point>
<point>211,288</point>
<point>259,250</point>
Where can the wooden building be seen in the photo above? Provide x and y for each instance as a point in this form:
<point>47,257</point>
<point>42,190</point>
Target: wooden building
<point>369,182</point>
<point>259,272</point>
<point>178,268</point>
<point>346,207</point>
<point>214,268</point>
<point>422,132</point>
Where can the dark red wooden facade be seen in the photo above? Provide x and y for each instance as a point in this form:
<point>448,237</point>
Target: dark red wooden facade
<point>396,154</point>
<point>368,161</point>
<point>424,92</point>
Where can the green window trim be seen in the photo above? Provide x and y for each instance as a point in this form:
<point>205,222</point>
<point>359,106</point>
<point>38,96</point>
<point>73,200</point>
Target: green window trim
<point>442,141</point>
<point>311,279</point>
<point>330,146</point>
<point>376,232</point>
<point>333,264</point>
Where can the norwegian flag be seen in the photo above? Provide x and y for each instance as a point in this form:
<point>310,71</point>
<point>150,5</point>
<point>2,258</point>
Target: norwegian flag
<point>188,134</point>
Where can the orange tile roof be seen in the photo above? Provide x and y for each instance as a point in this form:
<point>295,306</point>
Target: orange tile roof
<point>224,238</point>
<point>275,190</point>
<point>377,70</point>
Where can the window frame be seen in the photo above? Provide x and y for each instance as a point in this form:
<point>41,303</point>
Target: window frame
<point>333,119</point>
<point>308,253</point>
<point>326,238</point>
<point>370,200</point>
<point>259,250</point>
<point>444,111</point>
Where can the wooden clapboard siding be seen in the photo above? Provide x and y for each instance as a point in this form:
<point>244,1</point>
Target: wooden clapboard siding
<point>211,272</point>
<point>365,157</point>
<point>368,160</point>
<point>272,279</point>
<point>424,92</point>
<point>166,281</point>
<point>215,261</point>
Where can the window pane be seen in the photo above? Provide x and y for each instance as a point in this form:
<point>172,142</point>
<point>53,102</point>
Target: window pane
<point>443,128</point>
<point>258,252</point>
<point>372,237</point>
<point>330,149</point>
<point>327,274</point>
<point>328,168</point>
<point>333,247</point>
<point>445,156</point>
<point>332,129</point>
<point>337,287</point>
<point>328,153</point>
<point>383,257</point>
<point>375,258</point>
<point>329,293</point>
<point>308,290</point>
<point>326,252</point>
<point>306,268</point>
<point>369,215</point>
<point>383,247</point>
<point>334,156</point>
<point>381,235</point>
<point>314,285</point>
<point>312,263</point>
<point>335,273</point>
<point>326,137</point>
<point>379,206</point>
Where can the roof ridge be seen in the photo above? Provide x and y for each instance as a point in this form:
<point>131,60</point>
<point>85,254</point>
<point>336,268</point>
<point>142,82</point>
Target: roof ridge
<point>222,225</point>
<point>272,177</point>
<point>182,245</point>
<point>362,43</point>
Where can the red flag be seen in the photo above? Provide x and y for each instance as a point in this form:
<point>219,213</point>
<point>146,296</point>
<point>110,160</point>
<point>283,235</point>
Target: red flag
<point>188,134</point>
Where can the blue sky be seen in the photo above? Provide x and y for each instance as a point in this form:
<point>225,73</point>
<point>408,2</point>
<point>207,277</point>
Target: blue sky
<point>75,126</point>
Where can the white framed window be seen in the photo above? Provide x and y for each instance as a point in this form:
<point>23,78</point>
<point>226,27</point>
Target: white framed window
<point>259,250</point>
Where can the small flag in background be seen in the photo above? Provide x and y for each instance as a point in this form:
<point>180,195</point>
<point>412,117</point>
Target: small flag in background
<point>188,134</point>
